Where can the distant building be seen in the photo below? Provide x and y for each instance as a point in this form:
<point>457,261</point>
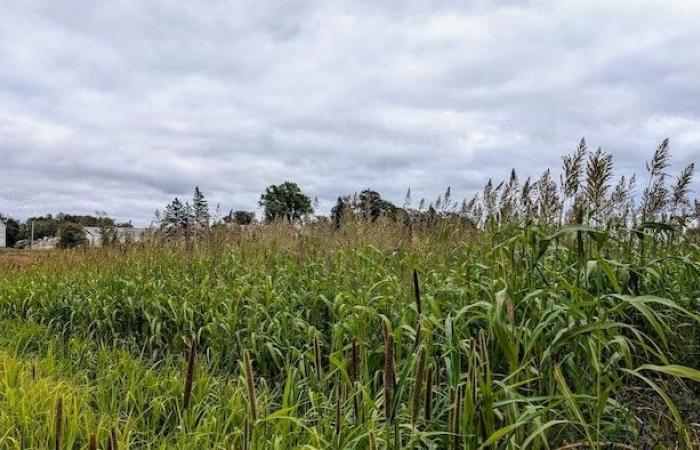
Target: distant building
<point>94,235</point>
<point>3,234</point>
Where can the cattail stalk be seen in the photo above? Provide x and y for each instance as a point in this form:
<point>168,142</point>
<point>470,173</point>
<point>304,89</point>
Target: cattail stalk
<point>429,394</point>
<point>418,384</point>
<point>389,375</point>
<point>189,375</point>
<point>59,424</point>
<point>250,385</point>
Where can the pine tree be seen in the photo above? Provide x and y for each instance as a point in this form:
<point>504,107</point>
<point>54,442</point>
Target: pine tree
<point>176,216</point>
<point>200,209</point>
<point>187,221</point>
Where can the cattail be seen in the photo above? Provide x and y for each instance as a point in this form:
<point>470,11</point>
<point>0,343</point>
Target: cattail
<point>451,412</point>
<point>429,393</point>
<point>189,375</point>
<point>59,424</point>
<point>354,362</point>
<point>389,375</point>
<point>372,440</point>
<point>113,443</point>
<point>317,357</point>
<point>337,413</point>
<point>510,309</point>
<point>33,369</point>
<point>456,417</point>
<point>246,433</point>
<point>416,290</point>
<point>418,384</point>
<point>92,443</point>
<point>354,375</point>
<point>250,385</point>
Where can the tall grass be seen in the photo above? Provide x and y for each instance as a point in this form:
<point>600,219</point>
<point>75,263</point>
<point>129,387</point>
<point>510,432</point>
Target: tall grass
<point>540,316</point>
<point>519,338</point>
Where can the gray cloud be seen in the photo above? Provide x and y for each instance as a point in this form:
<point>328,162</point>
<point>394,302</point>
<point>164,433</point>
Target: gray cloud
<point>120,106</point>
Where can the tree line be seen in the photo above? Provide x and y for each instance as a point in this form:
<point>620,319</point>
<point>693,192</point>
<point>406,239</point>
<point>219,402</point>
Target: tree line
<point>585,192</point>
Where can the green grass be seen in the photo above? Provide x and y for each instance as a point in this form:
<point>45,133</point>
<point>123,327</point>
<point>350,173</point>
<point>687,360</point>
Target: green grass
<point>534,338</point>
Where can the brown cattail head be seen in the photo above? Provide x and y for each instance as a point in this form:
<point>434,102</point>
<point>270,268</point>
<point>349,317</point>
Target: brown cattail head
<point>246,433</point>
<point>354,375</point>
<point>317,357</point>
<point>59,424</point>
<point>33,369</point>
<point>389,375</point>
<point>189,375</point>
<point>372,440</point>
<point>418,384</point>
<point>456,417</point>
<point>92,443</point>
<point>510,309</point>
<point>354,362</point>
<point>451,411</point>
<point>429,393</point>
<point>113,443</point>
<point>338,412</point>
<point>416,291</point>
<point>250,385</point>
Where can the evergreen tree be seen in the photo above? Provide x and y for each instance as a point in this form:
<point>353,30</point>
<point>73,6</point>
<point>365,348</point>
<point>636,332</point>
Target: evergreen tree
<point>200,209</point>
<point>176,216</point>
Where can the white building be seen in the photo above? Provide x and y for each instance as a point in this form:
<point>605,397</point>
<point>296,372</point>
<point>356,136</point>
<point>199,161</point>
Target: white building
<point>122,234</point>
<point>3,234</point>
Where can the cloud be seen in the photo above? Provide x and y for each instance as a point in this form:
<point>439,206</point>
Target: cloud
<point>120,106</point>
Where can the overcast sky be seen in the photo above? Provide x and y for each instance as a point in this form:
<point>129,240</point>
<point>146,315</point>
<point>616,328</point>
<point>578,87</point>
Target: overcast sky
<point>122,105</point>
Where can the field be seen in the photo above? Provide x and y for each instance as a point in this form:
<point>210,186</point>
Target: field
<point>371,336</point>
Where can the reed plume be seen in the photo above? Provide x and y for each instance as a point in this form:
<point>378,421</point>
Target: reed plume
<point>679,195</point>
<point>598,175</point>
